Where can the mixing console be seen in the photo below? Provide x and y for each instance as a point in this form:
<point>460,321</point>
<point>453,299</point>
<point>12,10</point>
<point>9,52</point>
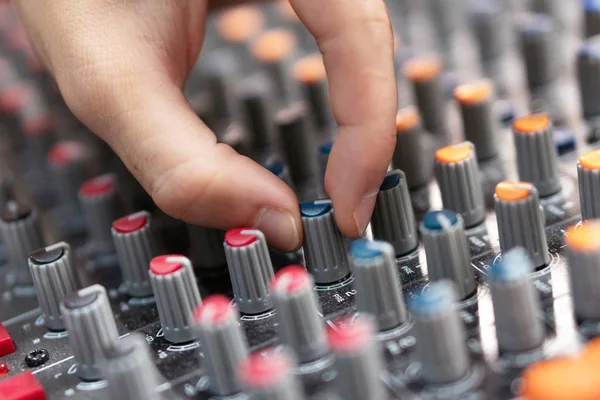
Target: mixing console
<point>477,278</point>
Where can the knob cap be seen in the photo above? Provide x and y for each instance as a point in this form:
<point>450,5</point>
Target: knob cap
<point>324,249</point>
<point>135,245</point>
<point>377,284</point>
<point>176,292</point>
<point>207,247</point>
<point>92,329</point>
<point>521,220</point>
<point>130,371</point>
<point>480,125</point>
<point>457,174</point>
<point>447,251</point>
<point>54,277</point>
<point>223,343</point>
<point>516,303</point>
<point>101,206</point>
<point>393,216</point>
<point>583,254</point>
<point>537,160</point>
<point>298,313</point>
<point>250,269</point>
<point>588,74</point>
<point>358,360</point>
<point>309,71</point>
<point>538,48</point>
<point>588,173</point>
<point>21,234</point>
<point>441,344</point>
<point>270,377</point>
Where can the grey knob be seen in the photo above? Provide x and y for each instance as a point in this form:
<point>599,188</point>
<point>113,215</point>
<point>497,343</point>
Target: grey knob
<point>425,76</point>
<point>480,124</point>
<point>458,177</point>
<point>237,27</point>
<point>446,16</point>
<point>269,375</point>
<point>583,255</point>
<point>414,152</point>
<point>207,247</point>
<point>92,329</point>
<point>516,303</point>
<point>447,251</point>
<point>490,28</point>
<point>324,249</point>
<point>298,314</point>
<point>176,293</point>
<point>377,284</point>
<point>538,41</point>
<point>135,245</point>
<point>441,344</point>
<point>221,72</point>
<point>250,269</point>
<point>224,346</point>
<point>101,206</point>
<point>280,170</point>
<point>309,72</point>
<point>393,217</point>
<point>521,220</point>
<point>588,173</point>
<point>591,18</point>
<point>588,74</point>
<point>358,360</point>
<point>324,151</point>
<point>21,234</point>
<point>537,159</point>
<point>67,161</point>
<point>258,111</point>
<point>130,371</point>
<point>54,277</point>
<point>554,9</point>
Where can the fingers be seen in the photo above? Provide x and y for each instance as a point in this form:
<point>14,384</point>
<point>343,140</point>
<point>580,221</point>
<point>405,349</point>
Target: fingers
<point>356,40</point>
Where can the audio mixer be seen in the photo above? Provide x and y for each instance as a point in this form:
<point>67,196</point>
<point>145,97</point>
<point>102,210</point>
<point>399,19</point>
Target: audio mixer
<point>477,277</point>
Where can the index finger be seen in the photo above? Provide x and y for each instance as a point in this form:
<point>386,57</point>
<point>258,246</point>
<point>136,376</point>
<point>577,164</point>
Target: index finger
<point>355,38</point>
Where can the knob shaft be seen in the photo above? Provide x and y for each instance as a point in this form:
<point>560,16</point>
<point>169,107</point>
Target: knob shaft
<point>588,173</point>
<point>54,277</point>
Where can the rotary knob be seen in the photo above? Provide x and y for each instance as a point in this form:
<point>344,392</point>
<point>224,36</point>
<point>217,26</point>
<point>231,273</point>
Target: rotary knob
<point>446,16</point>
<point>176,293</point>
<point>441,344</point>
<point>457,174</point>
<point>237,27</point>
<point>516,303</point>
<point>588,73</point>
<point>377,284</point>
<point>54,277</point>
<point>207,247</point>
<point>92,329</point>
<point>300,326</point>
<point>224,346</point>
<point>324,249</point>
<point>309,71</point>
<point>280,170</point>
<point>221,71</point>
<point>21,234</point>
<point>521,220</point>
<point>588,172</point>
<point>250,269</point>
<point>258,111</point>
<point>358,360</point>
<point>591,18</point>
<point>447,251</point>
<point>67,161</point>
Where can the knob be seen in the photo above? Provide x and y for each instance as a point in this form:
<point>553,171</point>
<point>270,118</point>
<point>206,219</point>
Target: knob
<point>176,293</point>
<point>324,249</point>
<point>583,255</point>
<point>480,126</point>
<point>537,160</point>
<point>516,303</point>
<point>250,269</point>
<point>521,220</point>
<point>447,250</point>
<point>92,329</point>
<point>591,18</point>
<point>377,284</point>
<point>414,152</point>
<point>490,29</point>
<point>441,345</point>
<point>207,247</point>
<point>67,161</point>
<point>588,173</point>
<point>21,234</point>
<point>298,313</point>
<point>309,71</point>
<point>358,360</point>
<point>135,245</point>
<point>221,70</point>
<point>130,371</point>
<point>280,170</point>
<point>588,74</point>
<point>269,375</point>
<point>446,16</point>
<point>457,174</point>
<point>538,41</point>
<point>54,277</point>
<point>101,206</point>
<point>224,346</point>
<point>258,112</point>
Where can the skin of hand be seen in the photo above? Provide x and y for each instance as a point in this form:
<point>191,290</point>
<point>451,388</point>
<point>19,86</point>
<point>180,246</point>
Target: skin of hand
<point>121,66</point>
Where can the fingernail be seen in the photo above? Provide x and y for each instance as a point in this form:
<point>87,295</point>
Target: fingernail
<point>364,211</point>
<point>279,228</point>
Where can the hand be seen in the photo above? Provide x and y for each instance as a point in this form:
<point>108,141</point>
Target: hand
<point>121,66</point>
